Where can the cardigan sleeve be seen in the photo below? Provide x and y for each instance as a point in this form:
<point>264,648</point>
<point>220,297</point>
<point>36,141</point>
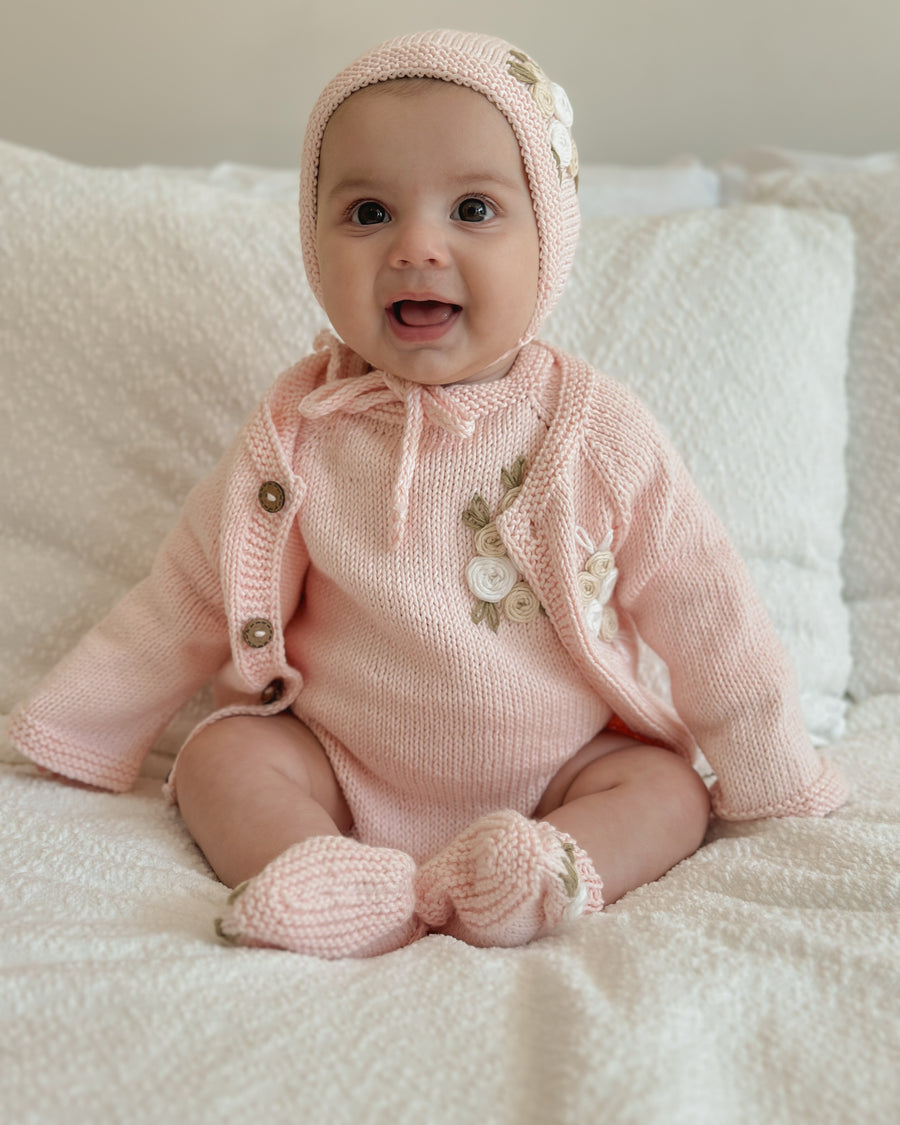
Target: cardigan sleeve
<point>692,600</point>
<point>98,712</point>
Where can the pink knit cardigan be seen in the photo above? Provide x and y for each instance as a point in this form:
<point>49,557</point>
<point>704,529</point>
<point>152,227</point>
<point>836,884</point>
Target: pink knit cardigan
<point>230,575</point>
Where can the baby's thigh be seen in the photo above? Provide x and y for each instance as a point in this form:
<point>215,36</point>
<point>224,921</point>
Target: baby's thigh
<point>607,742</point>
<point>243,755</point>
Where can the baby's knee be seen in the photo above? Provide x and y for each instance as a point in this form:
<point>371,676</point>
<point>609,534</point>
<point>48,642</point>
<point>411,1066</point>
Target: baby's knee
<point>234,748</point>
<point>201,761</point>
<point>663,780</point>
<point>218,740</point>
<point>241,754</point>
<point>675,787</point>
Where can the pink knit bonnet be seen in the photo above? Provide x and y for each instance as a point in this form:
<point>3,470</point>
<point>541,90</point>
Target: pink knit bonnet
<point>537,110</point>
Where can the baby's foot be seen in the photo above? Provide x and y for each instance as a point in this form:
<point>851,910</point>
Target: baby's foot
<point>506,880</point>
<point>328,896</point>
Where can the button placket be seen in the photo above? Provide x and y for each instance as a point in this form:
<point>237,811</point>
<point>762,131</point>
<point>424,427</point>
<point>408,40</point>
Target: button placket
<point>259,632</point>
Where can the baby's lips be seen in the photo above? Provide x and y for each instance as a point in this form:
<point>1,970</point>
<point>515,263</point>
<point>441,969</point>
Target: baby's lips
<point>423,314</point>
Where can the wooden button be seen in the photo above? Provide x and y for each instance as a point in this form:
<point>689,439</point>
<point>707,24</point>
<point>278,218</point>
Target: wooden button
<point>258,633</point>
<point>272,692</point>
<point>271,496</point>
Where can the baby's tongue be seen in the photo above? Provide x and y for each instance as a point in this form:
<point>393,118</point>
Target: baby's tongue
<point>420,314</point>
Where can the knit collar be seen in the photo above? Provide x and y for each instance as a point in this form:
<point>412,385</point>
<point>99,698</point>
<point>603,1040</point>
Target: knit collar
<point>352,387</point>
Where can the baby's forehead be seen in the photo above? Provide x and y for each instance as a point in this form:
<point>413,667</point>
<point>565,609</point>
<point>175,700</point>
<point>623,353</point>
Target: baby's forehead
<point>443,130</point>
<point>422,103</point>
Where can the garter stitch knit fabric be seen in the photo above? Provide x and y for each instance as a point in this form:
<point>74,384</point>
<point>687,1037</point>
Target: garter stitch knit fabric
<point>505,881</point>
<point>329,897</point>
<point>537,110</point>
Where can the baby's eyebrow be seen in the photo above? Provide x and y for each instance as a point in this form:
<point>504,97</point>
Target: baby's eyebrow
<point>490,176</point>
<point>353,185</point>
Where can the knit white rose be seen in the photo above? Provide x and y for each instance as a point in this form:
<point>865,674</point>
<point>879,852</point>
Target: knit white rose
<point>593,615</point>
<point>491,579</point>
<point>589,587</point>
<point>595,590</point>
<point>600,563</point>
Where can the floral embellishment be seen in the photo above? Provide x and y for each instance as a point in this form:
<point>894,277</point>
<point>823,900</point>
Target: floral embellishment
<point>588,587</point>
<point>491,575</point>
<point>521,604</point>
<point>562,107</point>
<point>488,542</point>
<point>491,578</point>
<point>596,584</point>
<point>553,104</point>
<point>509,498</point>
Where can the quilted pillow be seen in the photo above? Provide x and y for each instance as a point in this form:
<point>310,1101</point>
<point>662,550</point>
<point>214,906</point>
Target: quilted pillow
<point>871,200</point>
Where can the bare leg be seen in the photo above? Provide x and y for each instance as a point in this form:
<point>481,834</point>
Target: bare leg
<point>249,787</point>
<point>636,810</point>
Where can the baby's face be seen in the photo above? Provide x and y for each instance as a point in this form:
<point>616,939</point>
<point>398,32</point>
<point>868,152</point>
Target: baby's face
<point>426,237</point>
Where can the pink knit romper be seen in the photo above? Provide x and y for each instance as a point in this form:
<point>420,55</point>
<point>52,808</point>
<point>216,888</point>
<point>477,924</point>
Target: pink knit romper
<point>429,719</point>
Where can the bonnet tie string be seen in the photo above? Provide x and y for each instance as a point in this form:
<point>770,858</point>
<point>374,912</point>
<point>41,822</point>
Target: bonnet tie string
<point>361,392</point>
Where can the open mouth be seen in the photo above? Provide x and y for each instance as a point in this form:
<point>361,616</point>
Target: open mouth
<point>423,314</point>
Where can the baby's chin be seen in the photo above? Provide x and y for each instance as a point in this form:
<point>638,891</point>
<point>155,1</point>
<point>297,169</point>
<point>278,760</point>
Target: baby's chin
<point>431,375</point>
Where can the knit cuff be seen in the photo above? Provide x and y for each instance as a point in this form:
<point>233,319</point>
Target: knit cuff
<point>827,793</point>
<point>80,763</point>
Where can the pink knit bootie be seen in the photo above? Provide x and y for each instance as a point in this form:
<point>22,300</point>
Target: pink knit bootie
<point>328,896</point>
<point>506,880</point>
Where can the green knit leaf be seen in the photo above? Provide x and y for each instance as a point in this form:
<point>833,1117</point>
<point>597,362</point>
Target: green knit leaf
<point>477,515</point>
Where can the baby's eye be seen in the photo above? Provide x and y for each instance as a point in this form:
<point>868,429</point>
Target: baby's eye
<point>369,214</point>
<point>474,210</point>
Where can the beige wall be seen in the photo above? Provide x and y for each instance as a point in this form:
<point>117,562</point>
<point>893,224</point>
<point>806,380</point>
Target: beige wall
<point>197,81</point>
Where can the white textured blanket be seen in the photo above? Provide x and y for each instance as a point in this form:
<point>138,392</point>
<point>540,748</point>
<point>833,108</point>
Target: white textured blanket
<point>757,983</point>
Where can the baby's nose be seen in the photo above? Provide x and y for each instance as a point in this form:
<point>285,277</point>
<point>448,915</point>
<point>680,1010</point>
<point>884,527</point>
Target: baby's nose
<point>419,242</point>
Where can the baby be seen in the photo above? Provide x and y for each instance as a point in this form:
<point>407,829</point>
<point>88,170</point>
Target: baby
<point>419,576</point>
